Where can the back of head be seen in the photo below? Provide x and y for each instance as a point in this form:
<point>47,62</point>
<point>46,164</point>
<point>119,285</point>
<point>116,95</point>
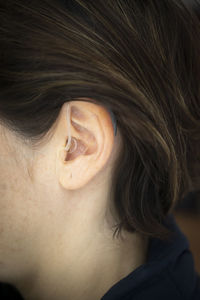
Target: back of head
<point>140,59</point>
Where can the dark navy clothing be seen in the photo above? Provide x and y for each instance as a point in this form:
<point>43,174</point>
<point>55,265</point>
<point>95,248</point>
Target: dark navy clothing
<point>168,274</point>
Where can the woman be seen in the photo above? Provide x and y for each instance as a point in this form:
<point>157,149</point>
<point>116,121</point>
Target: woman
<point>99,111</point>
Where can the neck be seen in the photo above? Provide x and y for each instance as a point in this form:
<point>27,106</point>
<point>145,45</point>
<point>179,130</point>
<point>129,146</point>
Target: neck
<point>88,275</point>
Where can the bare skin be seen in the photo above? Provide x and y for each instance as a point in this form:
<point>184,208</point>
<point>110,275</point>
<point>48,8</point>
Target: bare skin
<point>55,224</point>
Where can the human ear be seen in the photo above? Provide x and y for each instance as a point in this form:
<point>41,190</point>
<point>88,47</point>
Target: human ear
<point>92,140</point>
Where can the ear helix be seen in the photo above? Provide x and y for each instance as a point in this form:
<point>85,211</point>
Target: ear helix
<point>114,122</point>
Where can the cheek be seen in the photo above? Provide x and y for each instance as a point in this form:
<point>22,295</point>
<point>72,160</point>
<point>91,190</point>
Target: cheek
<point>14,229</point>
<point>18,215</point>
<point>17,224</point>
<point>14,209</point>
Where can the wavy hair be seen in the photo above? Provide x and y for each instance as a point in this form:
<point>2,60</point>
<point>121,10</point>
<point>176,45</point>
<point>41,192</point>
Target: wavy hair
<point>138,58</point>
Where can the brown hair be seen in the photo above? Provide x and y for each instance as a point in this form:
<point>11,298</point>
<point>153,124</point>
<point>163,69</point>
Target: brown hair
<point>138,58</point>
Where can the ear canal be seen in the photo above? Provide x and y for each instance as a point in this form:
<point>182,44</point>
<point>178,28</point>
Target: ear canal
<point>75,146</point>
